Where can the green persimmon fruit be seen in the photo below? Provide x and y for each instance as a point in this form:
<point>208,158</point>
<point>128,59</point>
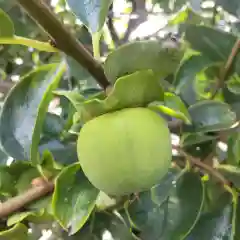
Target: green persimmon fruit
<point>125,151</point>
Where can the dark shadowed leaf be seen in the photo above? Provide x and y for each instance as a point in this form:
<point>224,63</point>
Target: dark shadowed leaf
<point>232,173</point>
<point>188,70</point>
<point>24,111</point>
<point>63,153</point>
<point>161,191</point>
<point>6,25</point>
<point>92,13</point>
<point>100,224</point>
<point>163,58</point>
<point>214,225</point>
<point>233,152</point>
<point>210,116</point>
<point>53,125</point>
<point>73,199</point>
<point>3,158</point>
<point>232,6</point>
<point>173,218</point>
<point>18,232</point>
<point>189,139</point>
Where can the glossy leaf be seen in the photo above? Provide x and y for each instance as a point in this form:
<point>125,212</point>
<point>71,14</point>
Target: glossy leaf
<point>137,89</point>
<point>189,139</point>
<point>161,191</point>
<point>161,57</point>
<point>174,102</point>
<point>18,232</point>
<point>73,199</point>
<point>188,70</point>
<point>175,217</point>
<point>210,116</point>
<point>203,39</point>
<point>214,225</point>
<point>233,157</point>
<point>24,110</point>
<point>92,13</point>
<point>161,108</point>
<point>232,173</point>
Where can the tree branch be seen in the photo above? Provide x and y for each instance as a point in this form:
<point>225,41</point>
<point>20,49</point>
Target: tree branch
<point>225,69</point>
<point>16,203</point>
<point>202,165</point>
<point>64,40</point>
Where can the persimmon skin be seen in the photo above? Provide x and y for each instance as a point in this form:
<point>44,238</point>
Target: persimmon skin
<point>125,151</point>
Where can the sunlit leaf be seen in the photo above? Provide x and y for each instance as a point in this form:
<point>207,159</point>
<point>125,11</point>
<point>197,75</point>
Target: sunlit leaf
<point>161,57</point>
<point>92,13</point>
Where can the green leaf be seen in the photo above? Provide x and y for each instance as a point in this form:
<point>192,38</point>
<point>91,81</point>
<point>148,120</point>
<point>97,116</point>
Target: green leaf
<point>174,102</point>
<point>73,199</point>
<point>92,13</point>
<point>175,217</point>
<point>137,89</point>
<point>25,179</point>
<point>172,106</point>
<point>203,39</point>
<point>233,152</point>
<point>53,125</point>
<point>16,40</point>
<point>233,84</point>
<point>232,173</point>
<point>211,116</point>
<point>161,108</point>
<point>189,139</point>
<point>20,216</point>
<point>6,182</point>
<point>214,225</point>
<point>80,73</point>
<point>161,57</point>
<point>24,110</point>
<point>160,192</point>
<point>232,6</point>
<point>186,15</point>
<point>73,96</point>
<point>18,232</point>
<point>100,223</point>
<point>188,70</point>
<point>6,25</point>
<point>63,153</point>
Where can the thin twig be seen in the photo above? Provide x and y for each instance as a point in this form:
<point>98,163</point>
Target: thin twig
<point>225,69</point>
<point>65,41</point>
<point>16,203</point>
<point>202,165</point>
